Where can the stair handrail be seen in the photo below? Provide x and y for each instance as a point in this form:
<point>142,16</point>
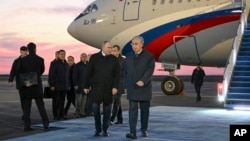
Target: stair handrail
<point>232,59</point>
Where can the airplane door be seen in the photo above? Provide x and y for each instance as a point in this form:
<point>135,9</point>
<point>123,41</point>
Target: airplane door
<point>186,49</point>
<point>131,10</point>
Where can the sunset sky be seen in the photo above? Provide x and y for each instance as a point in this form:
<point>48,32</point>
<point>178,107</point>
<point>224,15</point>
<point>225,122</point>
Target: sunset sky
<point>45,23</point>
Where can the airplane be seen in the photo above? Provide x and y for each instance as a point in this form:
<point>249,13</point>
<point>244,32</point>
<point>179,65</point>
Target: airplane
<point>176,32</point>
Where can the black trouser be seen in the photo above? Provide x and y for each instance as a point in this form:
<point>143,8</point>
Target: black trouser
<point>70,99</point>
<point>59,104</point>
<point>198,91</point>
<point>117,110</point>
<point>21,101</point>
<point>27,110</point>
<point>88,104</point>
<point>133,115</point>
<point>99,126</point>
<point>54,109</point>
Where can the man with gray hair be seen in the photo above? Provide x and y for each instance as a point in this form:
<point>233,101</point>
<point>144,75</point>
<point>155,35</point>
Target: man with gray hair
<point>139,68</point>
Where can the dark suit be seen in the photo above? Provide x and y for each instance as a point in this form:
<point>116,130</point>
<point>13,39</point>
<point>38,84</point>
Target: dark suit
<point>136,69</point>
<point>197,80</point>
<point>117,110</point>
<point>59,78</point>
<point>78,79</point>
<point>102,76</point>
<point>54,109</point>
<point>71,91</point>
<point>33,63</point>
<point>14,73</point>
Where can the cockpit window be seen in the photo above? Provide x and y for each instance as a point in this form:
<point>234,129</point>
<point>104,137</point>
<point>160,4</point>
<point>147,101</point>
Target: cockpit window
<point>94,8</point>
<point>90,8</point>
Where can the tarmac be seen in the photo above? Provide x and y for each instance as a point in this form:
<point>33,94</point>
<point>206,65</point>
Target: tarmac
<point>172,118</point>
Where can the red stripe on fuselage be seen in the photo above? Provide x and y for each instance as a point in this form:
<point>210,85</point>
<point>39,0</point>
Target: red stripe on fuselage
<point>161,43</point>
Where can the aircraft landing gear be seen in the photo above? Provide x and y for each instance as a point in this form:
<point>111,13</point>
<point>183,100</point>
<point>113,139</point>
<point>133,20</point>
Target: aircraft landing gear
<point>172,85</point>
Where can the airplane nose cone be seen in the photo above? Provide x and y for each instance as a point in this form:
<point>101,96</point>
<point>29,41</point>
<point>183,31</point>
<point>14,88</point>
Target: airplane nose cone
<point>71,29</point>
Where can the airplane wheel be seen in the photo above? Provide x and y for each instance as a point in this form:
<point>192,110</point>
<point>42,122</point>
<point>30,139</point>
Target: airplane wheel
<point>182,85</point>
<point>172,85</point>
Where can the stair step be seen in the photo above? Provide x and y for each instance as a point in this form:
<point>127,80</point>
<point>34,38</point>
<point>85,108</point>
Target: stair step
<point>239,84</point>
<point>242,68</point>
<point>246,32</point>
<point>239,90</point>
<point>242,63</point>
<point>240,78</point>
<point>245,39</point>
<point>244,53</point>
<point>243,58</point>
<point>241,73</point>
<point>238,96</point>
<point>244,49</point>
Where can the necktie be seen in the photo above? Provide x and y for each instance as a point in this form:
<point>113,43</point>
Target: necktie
<point>136,55</point>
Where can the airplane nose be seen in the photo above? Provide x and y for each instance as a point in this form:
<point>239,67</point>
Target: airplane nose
<point>71,29</point>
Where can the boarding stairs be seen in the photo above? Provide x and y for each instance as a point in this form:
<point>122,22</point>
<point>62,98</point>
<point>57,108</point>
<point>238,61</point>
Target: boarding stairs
<point>238,91</point>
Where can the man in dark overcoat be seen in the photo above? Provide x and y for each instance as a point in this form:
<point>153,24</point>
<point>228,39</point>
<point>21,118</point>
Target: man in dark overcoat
<point>59,83</point>
<point>78,79</point>
<point>102,81</point>
<point>33,63</point>
<point>14,72</point>
<point>54,109</point>
<point>117,109</point>
<point>139,68</point>
<point>197,79</point>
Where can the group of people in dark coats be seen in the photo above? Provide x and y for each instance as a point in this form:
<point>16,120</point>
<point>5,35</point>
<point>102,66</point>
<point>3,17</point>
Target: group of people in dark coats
<point>66,79</point>
<point>104,79</point>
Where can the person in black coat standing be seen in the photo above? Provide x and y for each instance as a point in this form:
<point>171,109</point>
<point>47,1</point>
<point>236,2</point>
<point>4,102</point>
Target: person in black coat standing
<point>54,109</point>
<point>14,73</point>
<point>117,109</point>
<point>59,83</point>
<point>71,91</point>
<point>33,63</point>
<point>139,68</point>
<point>102,81</point>
<point>197,79</point>
<point>78,79</point>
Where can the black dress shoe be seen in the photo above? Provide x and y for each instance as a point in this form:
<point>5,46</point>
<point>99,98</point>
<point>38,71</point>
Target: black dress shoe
<point>97,133</point>
<point>105,134</point>
<point>118,122</point>
<point>131,136</point>
<point>144,134</point>
<point>27,129</point>
<point>46,128</point>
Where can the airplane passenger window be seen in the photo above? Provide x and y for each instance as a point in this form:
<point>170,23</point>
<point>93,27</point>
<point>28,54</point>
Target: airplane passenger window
<point>154,2</point>
<point>162,1</point>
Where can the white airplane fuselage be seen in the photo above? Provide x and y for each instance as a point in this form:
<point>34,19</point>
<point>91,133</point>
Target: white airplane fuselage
<point>176,31</point>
